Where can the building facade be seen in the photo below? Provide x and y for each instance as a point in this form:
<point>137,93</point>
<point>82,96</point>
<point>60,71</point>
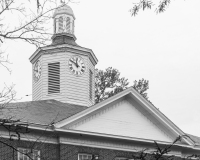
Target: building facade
<point>64,123</point>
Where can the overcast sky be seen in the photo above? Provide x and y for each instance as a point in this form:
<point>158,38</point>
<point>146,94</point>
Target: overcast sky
<point>162,48</point>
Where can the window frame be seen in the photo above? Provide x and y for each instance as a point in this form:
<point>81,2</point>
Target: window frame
<point>60,24</point>
<point>84,154</point>
<point>68,25</point>
<point>25,151</point>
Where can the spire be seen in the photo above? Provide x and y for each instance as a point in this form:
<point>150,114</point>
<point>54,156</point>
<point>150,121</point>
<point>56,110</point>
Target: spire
<point>63,25</point>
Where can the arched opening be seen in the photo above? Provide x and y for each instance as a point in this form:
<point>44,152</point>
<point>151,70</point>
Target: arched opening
<point>55,25</point>
<point>60,24</point>
<point>68,25</point>
<point>72,26</point>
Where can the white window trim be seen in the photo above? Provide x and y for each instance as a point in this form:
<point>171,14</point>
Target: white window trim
<point>84,154</point>
<point>18,153</point>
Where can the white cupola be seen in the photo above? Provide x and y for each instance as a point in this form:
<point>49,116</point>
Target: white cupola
<point>64,71</point>
<point>63,20</point>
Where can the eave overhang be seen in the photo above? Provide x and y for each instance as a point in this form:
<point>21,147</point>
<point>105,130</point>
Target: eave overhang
<point>61,48</point>
<point>60,131</point>
<point>133,139</point>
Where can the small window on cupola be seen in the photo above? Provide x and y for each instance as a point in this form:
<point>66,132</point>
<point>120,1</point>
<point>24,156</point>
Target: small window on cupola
<point>68,25</point>
<point>60,24</point>
<point>55,25</point>
<point>72,26</point>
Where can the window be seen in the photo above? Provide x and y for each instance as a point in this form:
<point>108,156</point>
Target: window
<point>73,26</point>
<point>55,25</point>
<point>83,156</point>
<point>90,84</point>
<point>68,25</point>
<point>60,24</point>
<point>22,154</point>
<point>54,78</point>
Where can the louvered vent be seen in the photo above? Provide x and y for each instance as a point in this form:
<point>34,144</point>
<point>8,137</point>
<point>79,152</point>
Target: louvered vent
<point>54,78</point>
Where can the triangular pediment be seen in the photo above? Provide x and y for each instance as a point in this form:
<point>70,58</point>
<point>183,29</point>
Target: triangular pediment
<point>127,114</point>
<point>122,119</point>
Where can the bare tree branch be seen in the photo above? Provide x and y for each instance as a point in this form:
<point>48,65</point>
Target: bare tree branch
<point>32,29</point>
<point>143,4</point>
<point>7,95</point>
<point>148,4</point>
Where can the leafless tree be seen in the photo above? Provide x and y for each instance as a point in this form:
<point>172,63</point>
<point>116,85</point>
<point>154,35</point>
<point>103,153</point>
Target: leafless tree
<point>30,26</point>
<point>26,20</point>
<point>7,95</point>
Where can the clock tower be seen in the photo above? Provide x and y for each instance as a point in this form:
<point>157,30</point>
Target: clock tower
<point>64,71</point>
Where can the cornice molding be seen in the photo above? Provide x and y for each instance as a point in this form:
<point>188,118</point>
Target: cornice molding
<point>63,48</point>
<point>110,145</point>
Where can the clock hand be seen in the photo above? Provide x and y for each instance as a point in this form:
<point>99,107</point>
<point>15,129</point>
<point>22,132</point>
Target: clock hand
<point>73,62</point>
<point>77,63</point>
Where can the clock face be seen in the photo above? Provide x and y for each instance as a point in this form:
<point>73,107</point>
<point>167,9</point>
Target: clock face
<point>37,70</point>
<point>76,65</point>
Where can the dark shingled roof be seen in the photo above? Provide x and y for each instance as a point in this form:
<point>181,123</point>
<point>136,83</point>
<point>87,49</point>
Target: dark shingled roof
<point>40,112</point>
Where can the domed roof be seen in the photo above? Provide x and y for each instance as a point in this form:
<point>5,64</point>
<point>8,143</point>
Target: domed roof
<point>64,9</point>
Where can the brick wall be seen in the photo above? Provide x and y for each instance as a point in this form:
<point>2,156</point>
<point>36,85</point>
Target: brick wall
<point>48,151</point>
<point>58,151</point>
<point>70,152</point>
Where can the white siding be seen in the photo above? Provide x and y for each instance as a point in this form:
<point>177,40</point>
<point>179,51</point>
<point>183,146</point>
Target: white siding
<point>37,86</point>
<point>73,89</point>
<point>92,68</point>
<point>122,119</point>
